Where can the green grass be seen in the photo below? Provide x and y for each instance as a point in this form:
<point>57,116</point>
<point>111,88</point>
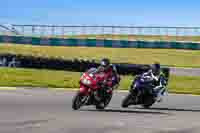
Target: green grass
<point>184,84</point>
<point>62,79</point>
<point>34,78</point>
<point>169,57</point>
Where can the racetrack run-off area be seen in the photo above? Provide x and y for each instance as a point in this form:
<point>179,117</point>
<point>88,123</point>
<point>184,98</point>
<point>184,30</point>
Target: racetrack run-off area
<point>185,71</point>
<point>39,110</point>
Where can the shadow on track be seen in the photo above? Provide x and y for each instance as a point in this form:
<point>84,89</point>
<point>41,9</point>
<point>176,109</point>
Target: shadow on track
<point>127,111</point>
<point>169,109</point>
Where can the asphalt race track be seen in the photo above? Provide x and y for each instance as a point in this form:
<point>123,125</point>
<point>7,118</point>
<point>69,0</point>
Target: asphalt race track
<point>185,71</point>
<point>42,111</point>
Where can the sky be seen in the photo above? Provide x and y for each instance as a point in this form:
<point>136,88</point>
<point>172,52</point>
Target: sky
<point>101,12</point>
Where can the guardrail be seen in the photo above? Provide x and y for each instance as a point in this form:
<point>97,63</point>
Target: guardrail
<point>4,30</point>
<point>141,33</point>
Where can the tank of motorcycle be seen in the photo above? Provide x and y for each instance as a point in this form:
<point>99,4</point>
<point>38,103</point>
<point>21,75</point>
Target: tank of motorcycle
<point>142,84</point>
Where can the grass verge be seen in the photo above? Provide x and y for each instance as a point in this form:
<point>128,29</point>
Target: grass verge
<point>169,57</point>
<point>62,79</point>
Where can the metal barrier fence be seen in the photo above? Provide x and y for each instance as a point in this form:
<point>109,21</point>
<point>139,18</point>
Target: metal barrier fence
<point>191,34</point>
<point>4,30</point>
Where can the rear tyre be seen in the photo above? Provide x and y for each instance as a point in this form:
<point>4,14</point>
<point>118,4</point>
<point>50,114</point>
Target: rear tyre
<point>100,107</point>
<point>126,101</point>
<point>106,102</point>
<point>147,106</point>
<point>108,99</point>
<point>149,102</point>
<point>77,101</point>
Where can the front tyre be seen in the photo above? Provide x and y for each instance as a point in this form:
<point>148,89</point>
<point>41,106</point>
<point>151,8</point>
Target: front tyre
<point>126,101</point>
<point>77,101</point>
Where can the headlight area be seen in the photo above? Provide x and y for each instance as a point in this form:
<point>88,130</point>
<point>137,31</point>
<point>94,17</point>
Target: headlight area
<point>86,81</point>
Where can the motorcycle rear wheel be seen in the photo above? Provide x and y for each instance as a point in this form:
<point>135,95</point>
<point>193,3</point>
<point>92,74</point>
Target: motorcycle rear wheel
<point>106,102</point>
<point>148,104</point>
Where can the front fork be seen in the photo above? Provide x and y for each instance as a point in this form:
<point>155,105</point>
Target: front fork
<point>92,95</point>
<point>132,89</point>
<point>136,93</point>
<point>86,92</point>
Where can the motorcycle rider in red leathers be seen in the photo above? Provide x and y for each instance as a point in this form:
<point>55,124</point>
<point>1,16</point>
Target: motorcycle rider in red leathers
<point>112,78</point>
<point>111,71</point>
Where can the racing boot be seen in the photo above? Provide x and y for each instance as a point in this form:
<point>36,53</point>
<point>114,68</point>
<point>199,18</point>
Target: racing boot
<point>101,105</point>
<point>159,93</point>
<point>97,96</point>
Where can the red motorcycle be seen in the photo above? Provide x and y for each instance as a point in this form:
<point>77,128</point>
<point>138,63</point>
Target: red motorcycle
<point>92,90</point>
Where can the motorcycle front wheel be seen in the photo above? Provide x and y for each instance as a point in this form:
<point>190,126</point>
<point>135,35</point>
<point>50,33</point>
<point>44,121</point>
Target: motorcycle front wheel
<point>77,101</point>
<point>127,100</point>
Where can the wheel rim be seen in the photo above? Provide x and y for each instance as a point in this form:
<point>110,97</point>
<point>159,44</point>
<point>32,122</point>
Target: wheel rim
<point>128,100</point>
<point>79,101</point>
<point>108,99</point>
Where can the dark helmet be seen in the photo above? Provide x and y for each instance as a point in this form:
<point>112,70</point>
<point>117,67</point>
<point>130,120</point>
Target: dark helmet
<point>156,68</point>
<point>105,63</point>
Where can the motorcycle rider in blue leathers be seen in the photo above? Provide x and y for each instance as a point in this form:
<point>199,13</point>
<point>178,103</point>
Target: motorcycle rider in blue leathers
<point>158,80</point>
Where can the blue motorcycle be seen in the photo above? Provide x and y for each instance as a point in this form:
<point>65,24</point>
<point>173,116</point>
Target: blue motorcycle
<point>143,92</point>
